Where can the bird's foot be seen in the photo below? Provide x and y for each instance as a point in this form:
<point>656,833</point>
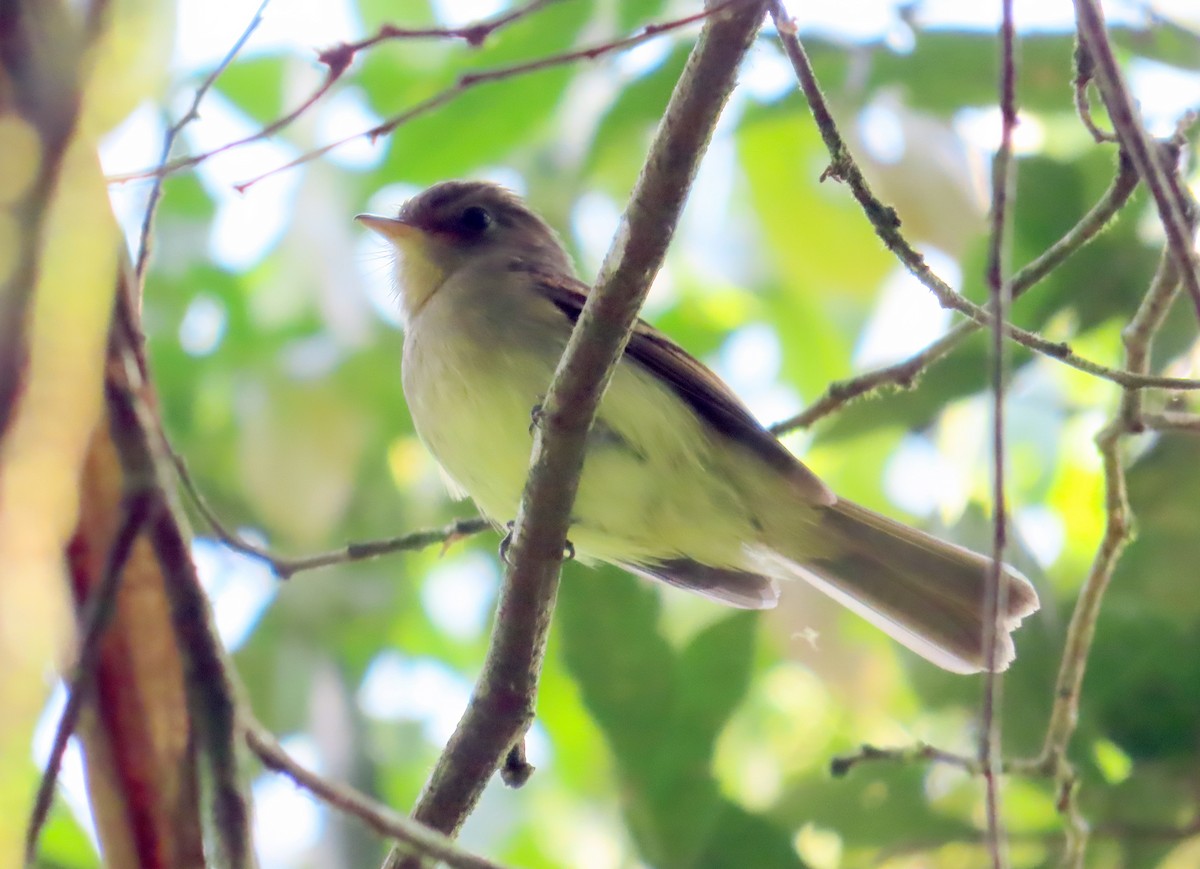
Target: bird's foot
<point>535,415</point>
<point>506,541</point>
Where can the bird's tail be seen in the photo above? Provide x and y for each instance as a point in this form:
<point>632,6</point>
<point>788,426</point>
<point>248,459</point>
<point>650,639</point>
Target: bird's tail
<point>925,593</point>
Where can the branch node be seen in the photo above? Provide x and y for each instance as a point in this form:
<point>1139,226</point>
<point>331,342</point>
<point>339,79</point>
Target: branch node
<point>516,769</point>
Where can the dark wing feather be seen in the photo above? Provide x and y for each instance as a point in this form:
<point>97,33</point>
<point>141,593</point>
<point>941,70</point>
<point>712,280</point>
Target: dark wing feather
<point>727,585</point>
<point>702,390</point>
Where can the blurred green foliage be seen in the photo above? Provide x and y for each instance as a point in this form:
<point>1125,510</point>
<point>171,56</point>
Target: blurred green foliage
<point>670,732</point>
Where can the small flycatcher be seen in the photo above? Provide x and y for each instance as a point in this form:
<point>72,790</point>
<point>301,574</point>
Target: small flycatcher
<point>680,482</point>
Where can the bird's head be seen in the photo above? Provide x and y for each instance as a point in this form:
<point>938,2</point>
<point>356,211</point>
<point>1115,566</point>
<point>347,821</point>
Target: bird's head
<point>459,223</point>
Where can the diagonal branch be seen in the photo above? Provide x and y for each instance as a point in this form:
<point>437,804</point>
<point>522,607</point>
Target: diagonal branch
<point>473,35</point>
<point>338,60</point>
<point>137,508</point>
<point>502,706</point>
<point>375,815</point>
<point>886,224</point>
<point>1174,206</point>
<point>904,374</point>
<point>286,568</point>
<point>146,241</point>
<point>488,76</point>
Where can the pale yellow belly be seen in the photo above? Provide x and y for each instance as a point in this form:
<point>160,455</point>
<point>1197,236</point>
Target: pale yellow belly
<point>655,484</point>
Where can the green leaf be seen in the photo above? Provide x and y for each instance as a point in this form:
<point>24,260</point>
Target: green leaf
<point>624,666</point>
<point>714,673</point>
<point>661,711</point>
<point>741,838</point>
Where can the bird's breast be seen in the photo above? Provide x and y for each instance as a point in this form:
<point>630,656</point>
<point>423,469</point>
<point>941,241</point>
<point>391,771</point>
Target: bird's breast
<point>471,389</point>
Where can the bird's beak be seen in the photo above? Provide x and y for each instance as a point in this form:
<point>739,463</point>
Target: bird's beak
<point>391,228</point>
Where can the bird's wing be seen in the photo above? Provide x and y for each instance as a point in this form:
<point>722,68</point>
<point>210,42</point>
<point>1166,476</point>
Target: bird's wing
<point>707,395</point>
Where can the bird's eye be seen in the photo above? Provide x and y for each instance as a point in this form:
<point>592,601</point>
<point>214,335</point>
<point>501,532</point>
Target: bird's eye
<point>475,219</point>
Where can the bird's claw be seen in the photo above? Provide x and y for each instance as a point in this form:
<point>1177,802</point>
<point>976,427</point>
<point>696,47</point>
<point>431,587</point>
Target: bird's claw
<point>506,541</point>
<point>535,416</point>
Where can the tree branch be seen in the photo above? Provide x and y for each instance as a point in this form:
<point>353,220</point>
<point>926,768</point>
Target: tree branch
<point>374,814</point>
<point>886,224</point>
<point>137,507</point>
<point>473,34</point>
<point>918,753</point>
<point>1170,196</point>
<point>210,694</point>
<point>1064,716</point>
<point>488,76</point>
<point>1000,296</point>
<point>1085,72</point>
<point>338,59</point>
<point>286,568</point>
<point>145,242</point>
<point>904,375</point>
<point>501,708</point>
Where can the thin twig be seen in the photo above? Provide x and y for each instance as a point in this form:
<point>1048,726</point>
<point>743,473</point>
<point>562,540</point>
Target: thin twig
<point>474,79</point>
<point>904,375</point>
<point>1161,177</point>
<point>336,61</point>
<point>145,242</point>
<point>1064,716</point>
<point>886,224</point>
<point>919,753</point>
<point>1134,377</point>
<point>136,510</point>
<point>285,568</point>
<point>1000,296</point>
<point>1084,73</point>
<point>462,85</point>
<point>473,34</point>
<point>374,814</point>
<point>502,705</point>
<point>1138,339</point>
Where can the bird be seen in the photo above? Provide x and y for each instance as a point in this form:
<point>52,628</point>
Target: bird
<point>680,482</point>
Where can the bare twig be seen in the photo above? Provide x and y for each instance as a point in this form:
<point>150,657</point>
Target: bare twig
<point>286,568</point>
<point>904,374</point>
<point>1052,761</point>
<point>137,507</point>
<point>501,708</point>
<point>1000,296</point>
<point>336,61</point>
<point>1064,715</point>
<point>918,753</point>
<point>1134,376</point>
<point>340,58</point>
<point>1138,340</point>
<point>472,80</point>
<point>886,224</point>
<point>374,814</point>
<point>146,239</point>
<point>473,34</point>
<point>1084,73</point>
<point>1153,162</point>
